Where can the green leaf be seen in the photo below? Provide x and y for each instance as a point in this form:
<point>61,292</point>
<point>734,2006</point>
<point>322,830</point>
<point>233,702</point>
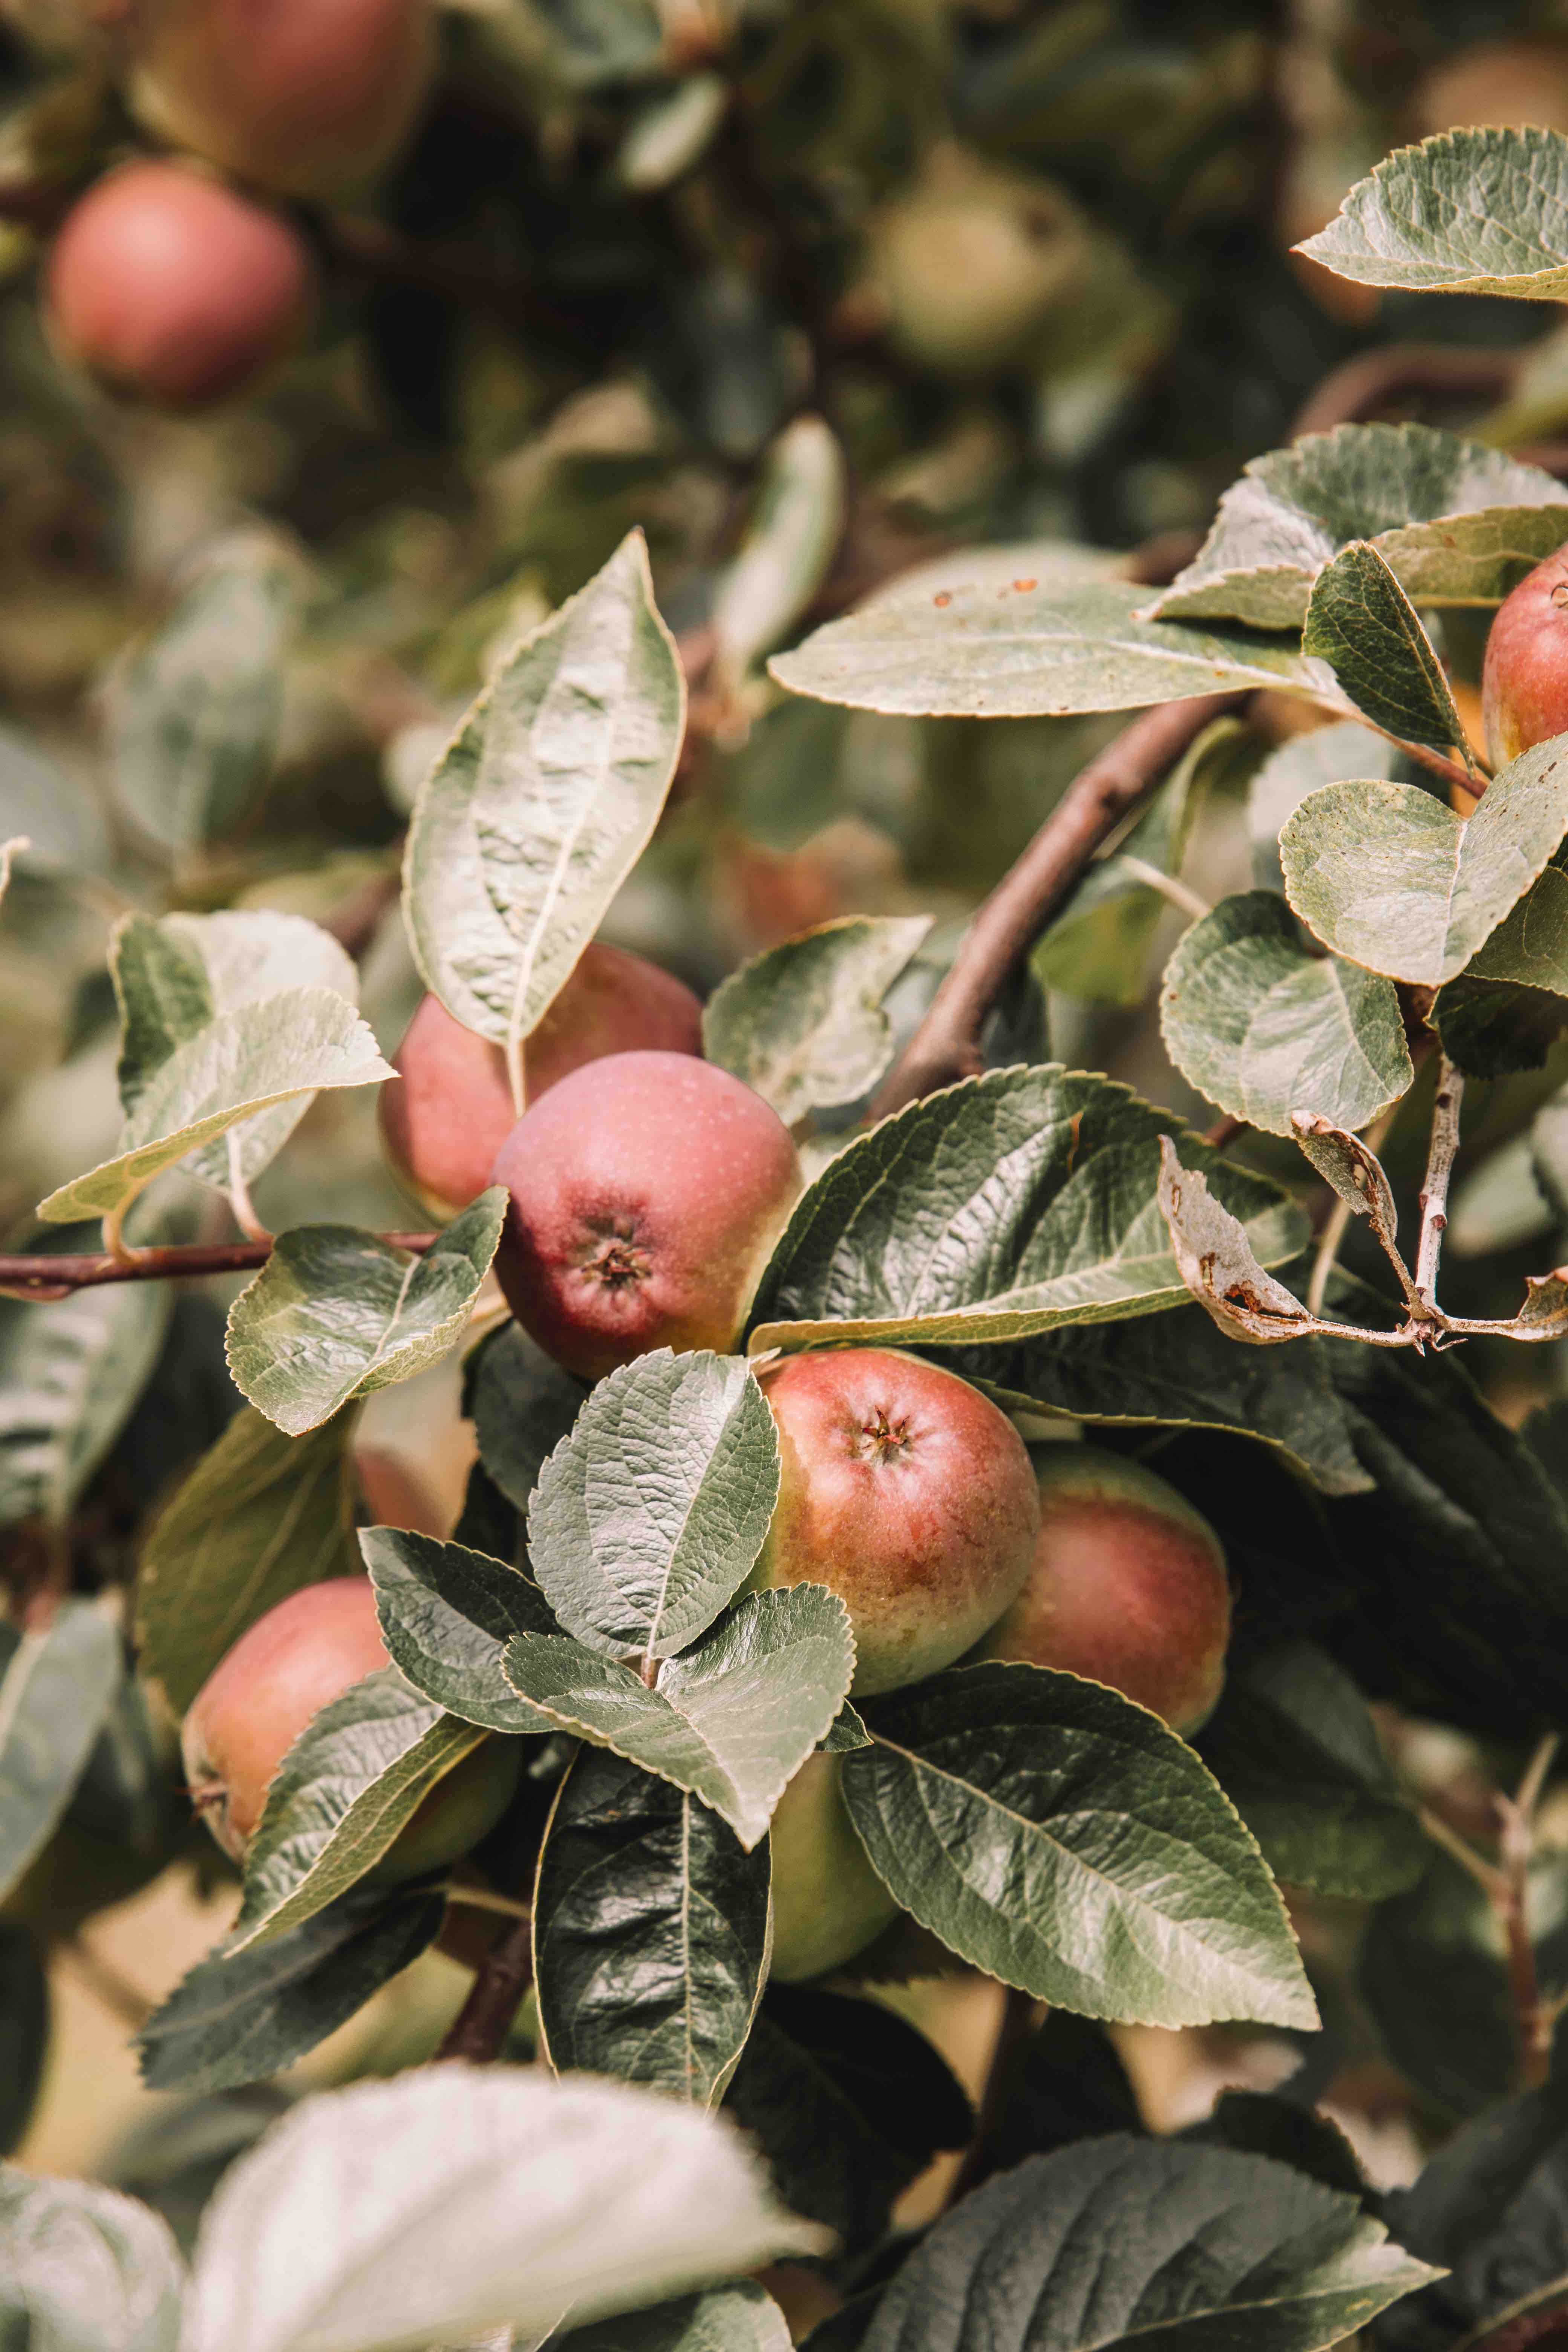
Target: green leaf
<point>456,2199</point>
<point>741,2318</point>
<point>353,1781</point>
<point>260,1516</point>
<point>84,2270</point>
<point>1457,523</point>
<point>1296,1752</point>
<point>336,1313</point>
<point>241,1063</point>
<point>650,1516</point>
<point>1470,212</point>
<point>236,2019</point>
<point>174,976</point>
<point>1098,946</point>
<point>1325,755</point>
<point>1362,623</point>
<point>1026,651</point>
<point>1119,2243</point>
<point>732,1721</point>
<point>789,545</point>
<point>1434,1954</point>
<point>41,803</point>
<point>521,1405</point>
<point>1010,1205</point>
<point>1058,1837</point>
<point>650,1932</point>
<point>1489,2205</point>
<point>195,710</point>
<point>54,1695</point>
<point>803,1024</point>
<point>1530,946</point>
<point>543,801</point>
<point>70,1372</point>
<point>1264,1028</point>
<point>447,1614</point>
<point>848,2103</point>
<point>1386,874</point>
<point>1178,1369</point>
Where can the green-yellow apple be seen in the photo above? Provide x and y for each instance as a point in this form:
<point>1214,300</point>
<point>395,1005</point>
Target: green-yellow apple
<point>308,97</point>
<point>647,1191</point>
<point>175,289</point>
<point>1127,1587</point>
<point>259,1697</point>
<point>828,1901</point>
<point>908,1494</point>
<point>444,1120</point>
<point>1524,676</point>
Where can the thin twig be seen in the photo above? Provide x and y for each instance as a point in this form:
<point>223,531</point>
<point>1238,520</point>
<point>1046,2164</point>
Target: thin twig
<point>482,2024</point>
<point>1169,886</point>
<point>1013,2036</point>
<point>1440,1160</point>
<point>946,1046</point>
<point>1372,381</point>
<point>1532,2023</point>
<point>107,1984</point>
<point>1487,1874</point>
<point>29,1276</point>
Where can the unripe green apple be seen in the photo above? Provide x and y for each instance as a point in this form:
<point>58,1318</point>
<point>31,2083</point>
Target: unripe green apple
<point>1127,1587</point>
<point>444,1123</point>
<point>647,1191</point>
<point>908,1494</point>
<point>1524,676</point>
<point>972,261</point>
<point>174,289</point>
<point>828,1901</point>
<point>308,97</point>
<point>259,1697</point>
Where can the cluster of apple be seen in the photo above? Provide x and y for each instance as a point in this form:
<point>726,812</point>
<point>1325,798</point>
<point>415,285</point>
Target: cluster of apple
<point>178,277</point>
<point>646,1189</point>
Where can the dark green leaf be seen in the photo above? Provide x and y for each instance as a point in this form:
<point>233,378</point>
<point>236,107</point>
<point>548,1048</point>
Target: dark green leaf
<point>71,1372</point>
<point>447,1614</point>
<point>521,1405</point>
<point>1362,623</point>
<point>55,1690</point>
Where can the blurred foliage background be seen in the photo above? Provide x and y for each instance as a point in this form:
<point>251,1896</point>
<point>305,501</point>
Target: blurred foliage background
<point>1028,260</point>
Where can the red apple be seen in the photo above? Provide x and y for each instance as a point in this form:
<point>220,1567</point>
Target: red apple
<point>444,1124</point>
<point>828,1901</point>
<point>308,97</point>
<point>173,288</point>
<point>1524,676</point>
<point>1127,1587</point>
<point>647,1191</point>
<point>908,1494</point>
<point>262,1695</point>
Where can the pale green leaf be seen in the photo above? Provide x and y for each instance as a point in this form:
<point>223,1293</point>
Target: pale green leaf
<point>1467,212</point>
<point>456,2199</point>
<point>1457,523</point>
<point>240,1063</point>
<point>353,1781</point>
<point>1026,650</point>
<point>1264,1028</point>
<point>336,1313</point>
<point>649,1517</point>
<point>542,803</point>
<point>1010,1205</point>
<point>260,1516</point>
<point>803,1024</point>
<point>1324,755</point>
<point>1530,944</point>
<point>71,1372</point>
<point>55,1691</point>
<point>789,544</point>
<point>1386,874</point>
<point>83,2269</point>
<point>732,1721</point>
<point>741,2318</point>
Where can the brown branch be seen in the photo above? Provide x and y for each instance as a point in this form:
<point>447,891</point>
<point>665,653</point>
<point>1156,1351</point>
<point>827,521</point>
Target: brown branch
<point>1360,387</point>
<point>1531,2017</point>
<point>481,2025</point>
<point>29,1275</point>
<point>946,1046</point>
<point>1012,2037</point>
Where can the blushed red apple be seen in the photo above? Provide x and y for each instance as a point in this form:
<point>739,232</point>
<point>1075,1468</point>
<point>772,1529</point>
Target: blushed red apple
<point>908,1494</point>
<point>175,289</point>
<point>647,1191</point>
<point>1127,1587</point>
<point>259,1697</point>
<point>444,1121</point>
<point>1524,674</point>
<point>308,97</point>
